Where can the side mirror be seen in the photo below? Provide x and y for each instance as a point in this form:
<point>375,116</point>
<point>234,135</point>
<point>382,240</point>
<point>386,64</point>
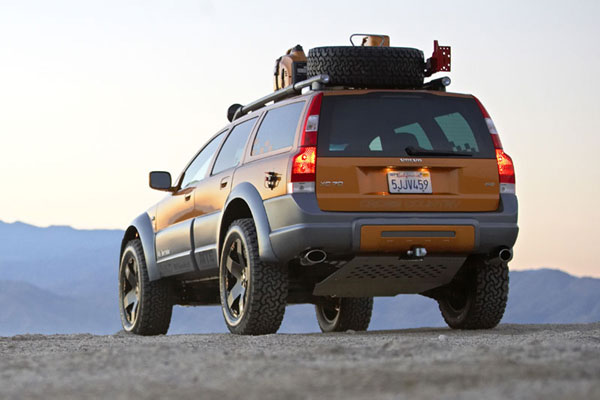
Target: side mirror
<point>160,180</point>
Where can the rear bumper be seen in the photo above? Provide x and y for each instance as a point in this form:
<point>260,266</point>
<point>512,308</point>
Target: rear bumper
<point>297,224</point>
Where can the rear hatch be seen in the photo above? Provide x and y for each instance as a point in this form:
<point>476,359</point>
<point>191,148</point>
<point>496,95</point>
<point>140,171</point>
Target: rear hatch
<point>404,151</point>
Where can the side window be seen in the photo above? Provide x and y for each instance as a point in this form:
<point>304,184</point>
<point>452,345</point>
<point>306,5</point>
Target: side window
<point>233,148</point>
<point>198,168</point>
<point>458,132</point>
<point>278,129</point>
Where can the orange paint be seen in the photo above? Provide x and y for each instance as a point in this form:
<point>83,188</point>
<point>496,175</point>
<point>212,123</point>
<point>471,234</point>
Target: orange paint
<point>457,239</point>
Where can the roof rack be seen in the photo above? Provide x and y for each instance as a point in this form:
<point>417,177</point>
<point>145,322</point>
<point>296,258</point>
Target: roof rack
<point>237,110</point>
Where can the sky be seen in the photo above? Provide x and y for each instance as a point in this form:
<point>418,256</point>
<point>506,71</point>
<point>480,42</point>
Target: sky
<point>95,94</point>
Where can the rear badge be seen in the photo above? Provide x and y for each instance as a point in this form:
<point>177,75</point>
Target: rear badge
<point>413,160</point>
<point>330,183</point>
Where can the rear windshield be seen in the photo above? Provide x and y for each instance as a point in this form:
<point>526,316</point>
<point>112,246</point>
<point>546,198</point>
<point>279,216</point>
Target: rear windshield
<point>402,124</point>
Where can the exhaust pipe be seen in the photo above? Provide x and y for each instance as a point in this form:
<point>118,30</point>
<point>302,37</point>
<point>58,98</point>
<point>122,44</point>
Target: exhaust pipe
<point>312,257</point>
<point>503,256</point>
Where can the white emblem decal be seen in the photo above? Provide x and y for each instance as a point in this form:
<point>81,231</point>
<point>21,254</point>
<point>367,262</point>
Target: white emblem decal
<point>413,160</point>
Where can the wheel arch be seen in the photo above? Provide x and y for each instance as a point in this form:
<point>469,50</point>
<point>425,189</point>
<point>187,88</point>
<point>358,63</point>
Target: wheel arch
<point>244,201</point>
<point>141,228</point>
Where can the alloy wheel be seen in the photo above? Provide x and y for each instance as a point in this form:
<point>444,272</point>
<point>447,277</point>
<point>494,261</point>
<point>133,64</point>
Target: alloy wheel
<point>331,310</point>
<point>236,280</point>
<point>130,292</point>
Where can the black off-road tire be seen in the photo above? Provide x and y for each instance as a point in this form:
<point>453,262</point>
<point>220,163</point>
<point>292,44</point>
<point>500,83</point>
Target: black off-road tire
<point>343,314</point>
<point>154,306</point>
<point>477,297</point>
<point>265,294</point>
<point>368,67</point>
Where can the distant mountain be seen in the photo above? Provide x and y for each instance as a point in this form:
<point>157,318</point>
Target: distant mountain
<point>28,309</point>
<point>63,280</point>
<point>553,296</point>
<point>61,259</point>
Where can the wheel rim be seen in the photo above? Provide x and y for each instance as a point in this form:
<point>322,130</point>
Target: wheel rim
<point>130,292</point>
<point>235,281</point>
<point>457,301</point>
<point>330,311</point>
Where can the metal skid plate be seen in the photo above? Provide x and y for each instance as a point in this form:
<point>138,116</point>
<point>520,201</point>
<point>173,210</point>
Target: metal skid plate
<point>389,276</point>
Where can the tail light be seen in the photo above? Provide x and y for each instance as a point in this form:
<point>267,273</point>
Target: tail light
<point>304,163</point>
<point>506,168</point>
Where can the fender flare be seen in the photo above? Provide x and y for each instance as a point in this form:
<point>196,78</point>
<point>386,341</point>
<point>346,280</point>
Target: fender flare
<point>143,226</point>
<point>246,192</point>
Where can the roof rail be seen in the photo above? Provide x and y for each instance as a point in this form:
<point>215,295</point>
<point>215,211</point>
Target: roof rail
<point>236,111</point>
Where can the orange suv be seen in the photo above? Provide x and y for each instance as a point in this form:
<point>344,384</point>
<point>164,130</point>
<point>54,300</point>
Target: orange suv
<point>332,192</point>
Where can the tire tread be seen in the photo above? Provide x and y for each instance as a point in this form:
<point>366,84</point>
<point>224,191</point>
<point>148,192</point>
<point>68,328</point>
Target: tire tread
<point>368,67</point>
<point>489,298</point>
<point>357,313</point>
<point>155,308</point>
<point>268,296</point>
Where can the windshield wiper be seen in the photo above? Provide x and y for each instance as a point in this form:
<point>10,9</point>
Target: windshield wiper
<point>412,151</point>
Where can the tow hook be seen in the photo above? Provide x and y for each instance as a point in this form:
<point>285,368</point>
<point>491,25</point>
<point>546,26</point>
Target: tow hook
<point>417,252</point>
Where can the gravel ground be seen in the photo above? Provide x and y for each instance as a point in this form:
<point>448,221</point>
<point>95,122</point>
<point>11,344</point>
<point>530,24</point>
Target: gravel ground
<point>511,361</point>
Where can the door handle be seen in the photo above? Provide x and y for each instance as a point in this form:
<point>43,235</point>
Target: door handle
<point>224,182</point>
<point>188,196</point>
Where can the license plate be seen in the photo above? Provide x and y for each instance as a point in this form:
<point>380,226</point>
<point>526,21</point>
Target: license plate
<point>409,182</point>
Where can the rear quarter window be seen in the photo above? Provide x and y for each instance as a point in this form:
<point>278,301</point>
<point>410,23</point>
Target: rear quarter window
<point>278,129</point>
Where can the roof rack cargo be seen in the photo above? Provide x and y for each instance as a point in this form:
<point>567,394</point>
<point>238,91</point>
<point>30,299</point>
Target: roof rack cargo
<point>292,67</point>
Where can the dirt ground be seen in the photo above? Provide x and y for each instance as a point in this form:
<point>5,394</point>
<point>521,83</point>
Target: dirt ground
<point>512,361</point>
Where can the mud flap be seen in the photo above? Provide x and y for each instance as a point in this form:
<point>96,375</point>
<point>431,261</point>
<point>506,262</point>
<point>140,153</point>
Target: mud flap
<point>389,276</point>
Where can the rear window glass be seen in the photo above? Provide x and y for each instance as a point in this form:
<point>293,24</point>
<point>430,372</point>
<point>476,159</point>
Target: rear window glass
<point>457,131</point>
<point>401,125</point>
<point>278,129</point>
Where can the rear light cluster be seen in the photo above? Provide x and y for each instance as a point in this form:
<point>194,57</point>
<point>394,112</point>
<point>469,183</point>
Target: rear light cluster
<point>506,168</point>
<point>304,163</point>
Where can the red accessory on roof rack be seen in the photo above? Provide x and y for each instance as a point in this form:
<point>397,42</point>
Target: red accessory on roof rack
<point>439,60</point>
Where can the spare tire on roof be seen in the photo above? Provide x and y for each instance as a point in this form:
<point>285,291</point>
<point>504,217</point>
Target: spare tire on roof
<point>368,67</point>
